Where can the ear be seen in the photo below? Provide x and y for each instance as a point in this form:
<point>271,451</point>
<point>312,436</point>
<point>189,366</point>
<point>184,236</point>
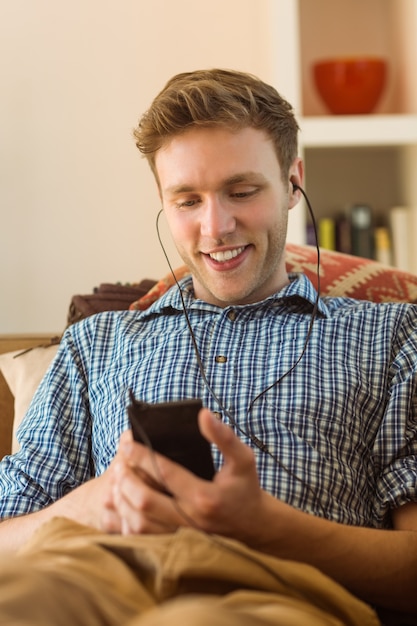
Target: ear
<point>296,179</point>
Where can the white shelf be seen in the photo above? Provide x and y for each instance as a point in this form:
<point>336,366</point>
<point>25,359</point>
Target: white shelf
<point>367,158</point>
<point>358,130</point>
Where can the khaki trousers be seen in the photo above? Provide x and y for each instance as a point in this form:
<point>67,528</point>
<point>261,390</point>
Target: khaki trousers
<point>70,575</point>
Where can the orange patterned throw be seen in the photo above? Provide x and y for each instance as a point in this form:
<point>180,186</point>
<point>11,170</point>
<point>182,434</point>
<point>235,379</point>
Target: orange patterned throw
<point>352,276</point>
<point>340,275</point>
<point>159,289</point>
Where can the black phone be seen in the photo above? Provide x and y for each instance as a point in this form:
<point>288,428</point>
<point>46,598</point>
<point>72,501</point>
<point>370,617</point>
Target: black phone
<point>171,428</point>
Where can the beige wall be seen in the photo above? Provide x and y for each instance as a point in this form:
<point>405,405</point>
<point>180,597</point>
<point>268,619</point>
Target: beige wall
<point>77,202</point>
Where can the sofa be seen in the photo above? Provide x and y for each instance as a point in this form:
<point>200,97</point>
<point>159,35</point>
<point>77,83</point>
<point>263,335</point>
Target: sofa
<point>24,358</point>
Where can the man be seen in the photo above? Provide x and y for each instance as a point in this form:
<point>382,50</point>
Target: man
<point>310,407</point>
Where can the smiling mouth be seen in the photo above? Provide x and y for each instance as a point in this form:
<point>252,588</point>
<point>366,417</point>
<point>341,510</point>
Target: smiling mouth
<point>226,255</point>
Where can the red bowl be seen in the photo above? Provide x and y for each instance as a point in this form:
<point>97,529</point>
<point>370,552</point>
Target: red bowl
<point>350,85</point>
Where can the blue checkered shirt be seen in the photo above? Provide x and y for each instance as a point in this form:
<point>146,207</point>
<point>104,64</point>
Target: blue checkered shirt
<point>340,429</point>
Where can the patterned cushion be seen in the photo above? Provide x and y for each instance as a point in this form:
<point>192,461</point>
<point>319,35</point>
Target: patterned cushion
<point>347,275</point>
<point>159,289</point>
<point>340,275</point>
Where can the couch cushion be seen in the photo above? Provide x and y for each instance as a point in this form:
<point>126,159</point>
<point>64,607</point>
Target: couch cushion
<point>23,373</point>
<point>352,276</point>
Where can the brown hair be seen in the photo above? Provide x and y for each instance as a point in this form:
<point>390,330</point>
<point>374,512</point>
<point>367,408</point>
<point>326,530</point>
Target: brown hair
<point>218,97</point>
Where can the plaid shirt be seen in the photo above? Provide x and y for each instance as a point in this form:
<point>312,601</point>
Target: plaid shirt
<point>340,428</point>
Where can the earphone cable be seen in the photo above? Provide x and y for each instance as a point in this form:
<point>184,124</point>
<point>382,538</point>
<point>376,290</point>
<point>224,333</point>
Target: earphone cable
<point>247,433</point>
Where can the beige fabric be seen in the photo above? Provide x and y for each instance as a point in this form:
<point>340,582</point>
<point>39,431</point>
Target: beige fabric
<point>69,574</point>
<point>23,374</point>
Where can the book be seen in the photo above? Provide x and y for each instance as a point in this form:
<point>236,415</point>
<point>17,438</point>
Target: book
<point>311,235</point>
<point>412,239</point>
<point>326,232</point>
<point>344,233</point>
<point>400,226</point>
<point>362,235</point>
<point>382,245</point>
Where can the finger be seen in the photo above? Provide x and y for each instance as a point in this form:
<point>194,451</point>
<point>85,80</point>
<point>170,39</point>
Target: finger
<point>189,492</point>
<point>154,515</point>
<point>139,505</point>
<point>234,451</point>
<point>110,521</point>
<point>126,439</point>
<point>126,435</point>
<point>154,469</point>
<point>134,454</point>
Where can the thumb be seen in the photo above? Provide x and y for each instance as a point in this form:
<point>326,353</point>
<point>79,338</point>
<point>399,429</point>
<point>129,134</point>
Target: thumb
<point>231,447</point>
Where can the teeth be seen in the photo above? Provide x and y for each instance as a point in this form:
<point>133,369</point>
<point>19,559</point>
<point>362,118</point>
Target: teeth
<point>226,255</point>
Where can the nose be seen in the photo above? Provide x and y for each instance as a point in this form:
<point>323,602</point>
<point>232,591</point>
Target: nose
<point>217,220</point>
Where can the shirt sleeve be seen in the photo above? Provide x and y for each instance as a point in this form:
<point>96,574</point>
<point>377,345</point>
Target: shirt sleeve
<point>55,437</point>
<point>395,449</point>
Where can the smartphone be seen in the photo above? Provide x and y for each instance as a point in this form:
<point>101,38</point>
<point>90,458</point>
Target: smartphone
<point>171,428</point>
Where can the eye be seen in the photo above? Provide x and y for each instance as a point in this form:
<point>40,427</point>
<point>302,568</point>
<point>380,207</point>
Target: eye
<point>241,194</point>
<point>244,193</point>
<point>186,203</point>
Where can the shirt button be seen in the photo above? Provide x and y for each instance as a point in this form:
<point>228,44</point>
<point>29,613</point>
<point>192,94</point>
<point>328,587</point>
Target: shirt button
<point>217,415</point>
<point>221,358</point>
<point>232,315</point>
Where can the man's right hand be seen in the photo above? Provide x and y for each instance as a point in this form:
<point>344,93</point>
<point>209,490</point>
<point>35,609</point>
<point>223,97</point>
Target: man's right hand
<point>85,504</point>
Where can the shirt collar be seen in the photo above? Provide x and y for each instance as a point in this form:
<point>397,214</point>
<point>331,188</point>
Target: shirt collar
<point>300,291</point>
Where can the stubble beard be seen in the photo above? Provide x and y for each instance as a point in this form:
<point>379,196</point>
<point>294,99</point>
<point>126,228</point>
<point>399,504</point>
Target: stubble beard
<point>261,281</point>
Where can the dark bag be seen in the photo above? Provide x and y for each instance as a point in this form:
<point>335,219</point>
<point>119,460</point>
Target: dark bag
<point>107,297</point>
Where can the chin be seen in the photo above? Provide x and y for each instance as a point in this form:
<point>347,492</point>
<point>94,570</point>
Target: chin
<point>230,298</point>
<point>226,292</point>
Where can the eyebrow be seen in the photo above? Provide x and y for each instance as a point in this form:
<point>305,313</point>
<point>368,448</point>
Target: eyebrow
<point>175,189</point>
<point>235,179</point>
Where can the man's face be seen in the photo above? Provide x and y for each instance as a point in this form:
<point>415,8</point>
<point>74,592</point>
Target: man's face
<point>227,207</point>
